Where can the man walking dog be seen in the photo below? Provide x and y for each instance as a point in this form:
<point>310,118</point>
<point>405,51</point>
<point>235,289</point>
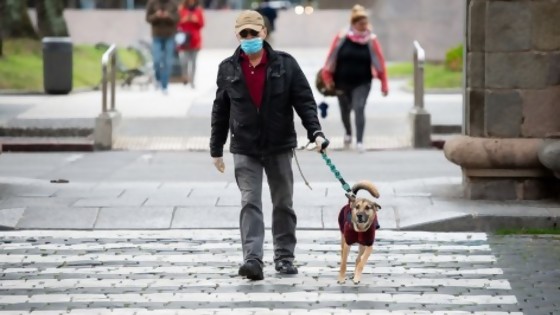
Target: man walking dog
<point>258,90</point>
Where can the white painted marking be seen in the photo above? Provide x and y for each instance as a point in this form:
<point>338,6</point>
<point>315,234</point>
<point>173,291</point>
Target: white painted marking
<point>220,257</point>
<point>302,280</point>
<point>203,235</point>
<point>291,297</point>
<point>249,311</point>
<point>184,245</point>
<point>74,157</point>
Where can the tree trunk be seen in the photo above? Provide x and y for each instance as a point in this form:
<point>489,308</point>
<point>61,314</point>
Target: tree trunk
<point>50,18</point>
<point>15,20</point>
<point>2,19</point>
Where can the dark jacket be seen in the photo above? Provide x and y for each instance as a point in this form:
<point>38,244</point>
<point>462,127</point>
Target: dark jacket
<point>163,26</point>
<point>271,129</point>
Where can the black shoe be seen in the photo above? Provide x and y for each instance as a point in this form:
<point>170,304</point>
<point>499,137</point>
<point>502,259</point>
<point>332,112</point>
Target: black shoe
<point>251,269</point>
<point>286,267</point>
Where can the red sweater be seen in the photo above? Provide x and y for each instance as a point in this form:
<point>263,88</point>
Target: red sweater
<point>192,27</point>
<point>344,223</point>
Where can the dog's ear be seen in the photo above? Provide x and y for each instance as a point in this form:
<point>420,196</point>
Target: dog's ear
<point>366,185</point>
<point>376,205</point>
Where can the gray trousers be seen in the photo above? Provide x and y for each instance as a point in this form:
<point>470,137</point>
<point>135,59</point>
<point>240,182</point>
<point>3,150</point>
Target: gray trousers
<point>249,177</point>
<point>188,64</point>
<point>354,99</point>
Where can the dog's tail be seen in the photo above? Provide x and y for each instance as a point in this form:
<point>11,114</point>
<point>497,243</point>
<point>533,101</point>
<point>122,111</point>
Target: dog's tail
<point>366,185</point>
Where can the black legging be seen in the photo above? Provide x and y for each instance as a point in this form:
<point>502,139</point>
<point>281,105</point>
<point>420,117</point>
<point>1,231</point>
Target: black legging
<point>354,99</point>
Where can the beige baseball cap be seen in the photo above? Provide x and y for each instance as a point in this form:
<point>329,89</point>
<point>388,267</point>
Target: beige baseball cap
<point>249,19</point>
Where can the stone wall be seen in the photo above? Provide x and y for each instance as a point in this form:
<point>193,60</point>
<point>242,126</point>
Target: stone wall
<point>437,24</point>
<point>512,95</point>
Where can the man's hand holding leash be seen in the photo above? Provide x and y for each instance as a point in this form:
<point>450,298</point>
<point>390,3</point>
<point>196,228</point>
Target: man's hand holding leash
<point>321,144</point>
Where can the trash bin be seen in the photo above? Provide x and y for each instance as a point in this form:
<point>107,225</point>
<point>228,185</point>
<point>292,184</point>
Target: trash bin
<point>57,65</point>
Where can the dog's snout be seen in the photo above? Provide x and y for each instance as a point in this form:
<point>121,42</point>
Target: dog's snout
<point>361,217</point>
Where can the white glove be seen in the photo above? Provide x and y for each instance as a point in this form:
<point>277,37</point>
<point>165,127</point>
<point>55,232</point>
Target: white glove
<point>219,164</point>
<point>319,143</point>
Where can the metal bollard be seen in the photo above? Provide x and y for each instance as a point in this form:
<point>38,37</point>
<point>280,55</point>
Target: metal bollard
<point>420,120</point>
<point>106,124</point>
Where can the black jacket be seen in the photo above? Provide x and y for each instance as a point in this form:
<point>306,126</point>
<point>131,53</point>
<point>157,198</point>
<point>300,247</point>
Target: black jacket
<point>270,129</point>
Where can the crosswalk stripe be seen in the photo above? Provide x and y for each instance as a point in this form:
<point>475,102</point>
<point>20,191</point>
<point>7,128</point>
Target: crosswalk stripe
<point>157,283</point>
<point>262,297</point>
<point>213,270</point>
<point>221,257</point>
<point>210,235</point>
<point>384,247</point>
<point>252,311</point>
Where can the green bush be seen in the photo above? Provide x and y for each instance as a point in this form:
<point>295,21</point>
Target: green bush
<point>454,59</point>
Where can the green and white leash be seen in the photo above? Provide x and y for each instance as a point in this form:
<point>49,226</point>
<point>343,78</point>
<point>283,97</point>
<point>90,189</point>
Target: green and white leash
<point>336,173</point>
<point>333,169</point>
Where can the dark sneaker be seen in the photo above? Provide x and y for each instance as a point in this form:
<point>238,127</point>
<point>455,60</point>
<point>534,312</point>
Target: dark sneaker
<point>286,267</point>
<point>251,269</point>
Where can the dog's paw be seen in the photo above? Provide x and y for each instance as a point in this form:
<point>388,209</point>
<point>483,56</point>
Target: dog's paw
<point>341,281</point>
<point>356,281</point>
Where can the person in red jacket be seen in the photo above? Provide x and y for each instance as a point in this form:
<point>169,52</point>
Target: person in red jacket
<point>354,59</point>
<point>191,21</point>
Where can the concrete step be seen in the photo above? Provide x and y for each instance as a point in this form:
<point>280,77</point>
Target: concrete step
<point>46,144</point>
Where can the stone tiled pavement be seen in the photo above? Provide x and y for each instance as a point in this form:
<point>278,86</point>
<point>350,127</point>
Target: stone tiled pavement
<point>194,272</point>
<point>407,204</point>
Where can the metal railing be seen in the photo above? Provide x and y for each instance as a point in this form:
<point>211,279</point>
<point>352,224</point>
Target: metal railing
<point>419,60</point>
<point>420,119</point>
<point>108,68</point>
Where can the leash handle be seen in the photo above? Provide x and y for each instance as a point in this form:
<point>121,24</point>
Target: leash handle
<point>324,145</point>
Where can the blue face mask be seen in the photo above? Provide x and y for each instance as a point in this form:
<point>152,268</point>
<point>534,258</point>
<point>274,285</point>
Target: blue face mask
<point>252,46</point>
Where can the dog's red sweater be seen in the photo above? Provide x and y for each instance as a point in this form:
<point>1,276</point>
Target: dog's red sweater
<point>344,223</point>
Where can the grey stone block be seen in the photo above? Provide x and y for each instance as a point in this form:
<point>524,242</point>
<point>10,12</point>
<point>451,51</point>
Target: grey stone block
<point>490,189</point>
<point>58,218</point>
<point>408,218</point>
<point>508,26</point>
<point>10,217</point>
<point>476,31</point>
<point>134,218</point>
<point>475,70</point>
<point>475,112</point>
<point>111,202</point>
<point>206,217</point>
<point>540,112</point>
<point>526,70</point>
<point>554,69</point>
<point>546,25</point>
<point>181,201</point>
<point>503,114</point>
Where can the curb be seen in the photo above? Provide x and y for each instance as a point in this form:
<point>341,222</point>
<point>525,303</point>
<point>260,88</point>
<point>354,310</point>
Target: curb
<point>487,223</point>
<point>467,223</point>
<point>42,93</point>
<point>49,146</point>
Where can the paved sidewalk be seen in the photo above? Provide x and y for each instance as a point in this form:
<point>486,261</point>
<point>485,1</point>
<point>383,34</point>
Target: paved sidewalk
<point>420,190</point>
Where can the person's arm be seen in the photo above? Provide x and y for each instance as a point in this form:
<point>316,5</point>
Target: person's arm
<point>301,98</point>
<point>200,15</point>
<point>174,14</point>
<point>219,119</point>
<point>151,11</point>
<point>381,73</point>
<point>328,68</point>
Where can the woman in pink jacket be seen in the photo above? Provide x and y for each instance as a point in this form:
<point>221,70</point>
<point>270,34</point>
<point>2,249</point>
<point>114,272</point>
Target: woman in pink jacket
<point>191,21</point>
<point>354,59</point>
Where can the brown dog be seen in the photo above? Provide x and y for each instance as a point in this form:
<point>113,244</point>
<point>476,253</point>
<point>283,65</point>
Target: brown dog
<point>357,222</point>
